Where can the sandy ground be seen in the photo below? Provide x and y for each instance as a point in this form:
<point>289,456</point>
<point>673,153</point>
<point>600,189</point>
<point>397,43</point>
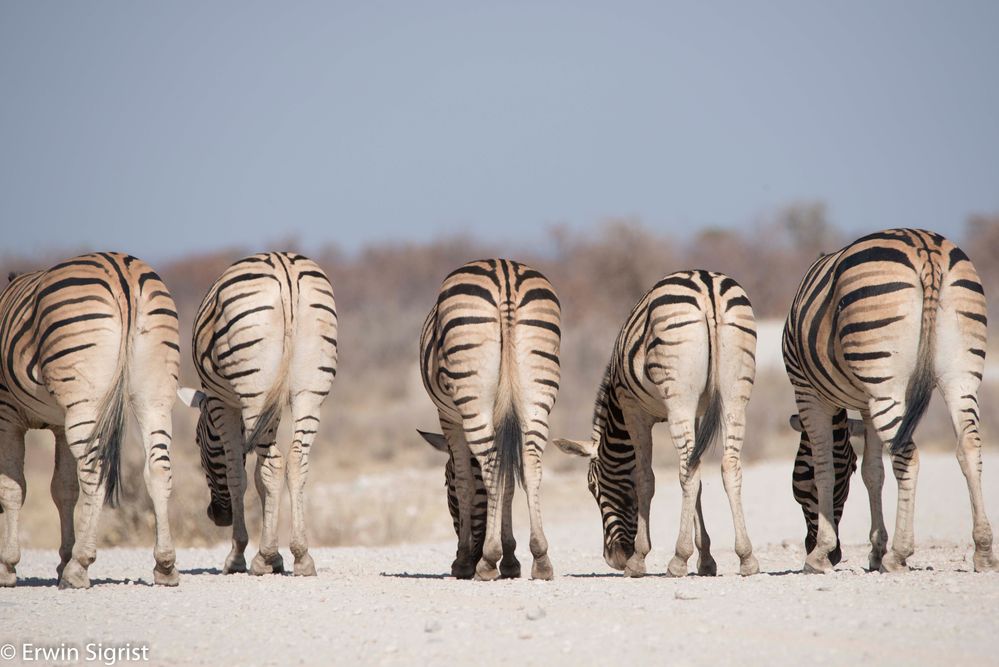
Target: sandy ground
<point>394,605</point>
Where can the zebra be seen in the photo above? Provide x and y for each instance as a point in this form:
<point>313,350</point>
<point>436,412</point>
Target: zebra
<point>874,327</point>
<point>687,356</point>
<point>489,361</point>
<point>803,478</point>
<point>265,335</point>
<point>82,344</point>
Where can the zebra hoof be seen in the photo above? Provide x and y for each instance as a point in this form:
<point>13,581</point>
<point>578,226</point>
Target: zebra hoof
<point>8,577</point>
<point>874,561</point>
<point>267,565</point>
<point>542,569</point>
<point>986,562</point>
<point>677,567</point>
<point>707,567</point>
<point>462,569</point>
<point>74,575</point>
<point>892,563</point>
<point>234,564</point>
<point>749,566</point>
<point>635,567</point>
<point>509,569</point>
<point>485,571</point>
<point>170,577</point>
<point>305,566</point>
<point>817,566</point>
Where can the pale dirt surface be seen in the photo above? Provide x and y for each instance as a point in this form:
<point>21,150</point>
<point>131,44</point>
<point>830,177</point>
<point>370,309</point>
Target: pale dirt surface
<point>392,605</point>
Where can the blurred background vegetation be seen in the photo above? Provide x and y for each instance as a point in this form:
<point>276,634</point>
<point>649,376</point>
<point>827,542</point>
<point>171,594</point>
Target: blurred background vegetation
<point>373,480</point>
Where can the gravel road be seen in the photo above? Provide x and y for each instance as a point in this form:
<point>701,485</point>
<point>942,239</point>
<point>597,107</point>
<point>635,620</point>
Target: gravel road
<point>394,605</point>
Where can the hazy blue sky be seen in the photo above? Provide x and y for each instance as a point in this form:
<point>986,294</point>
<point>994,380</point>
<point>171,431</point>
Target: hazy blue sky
<point>160,128</point>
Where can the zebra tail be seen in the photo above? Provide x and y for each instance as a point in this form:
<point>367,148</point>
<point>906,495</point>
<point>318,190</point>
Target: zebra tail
<point>109,431</point>
<point>276,397</point>
<point>708,428</point>
<point>508,436</point>
<point>711,420</point>
<point>917,394</point>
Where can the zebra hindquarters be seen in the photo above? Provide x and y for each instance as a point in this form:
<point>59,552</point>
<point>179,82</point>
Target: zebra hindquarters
<point>959,362</point>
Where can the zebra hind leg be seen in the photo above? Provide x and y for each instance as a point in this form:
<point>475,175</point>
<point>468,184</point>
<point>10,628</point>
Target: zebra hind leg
<point>509,566</point>
<point>644,481</point>
<point>65,489</point>
<point>86,514</point>
<point>305,414</point>
<point>963,407</point>
<point>706,566</point>
<point>817,422</point>
<point>269,478</point>
<point>12,490</point>
<point>872,471</point>
<point>153,417</point>
<point>905,465</point>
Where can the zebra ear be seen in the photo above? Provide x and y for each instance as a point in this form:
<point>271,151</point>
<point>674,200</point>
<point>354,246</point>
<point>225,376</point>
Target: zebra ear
<point>857,427</point>
<point>584,448</point>
<point>795,422</point>
<point>192,398</point>
<point>436,440</point>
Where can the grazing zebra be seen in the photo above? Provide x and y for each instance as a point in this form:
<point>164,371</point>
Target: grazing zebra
<point>265,335</point>
<point>489,360</point>
<point>803,480</point>
<point>874,327</point>
<point>81,344</point>
<point>687,356</point>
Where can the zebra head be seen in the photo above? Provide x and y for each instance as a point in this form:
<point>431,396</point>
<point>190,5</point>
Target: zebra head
<point>211,439</point>
<point>844,465</point>
<point>614,493</point>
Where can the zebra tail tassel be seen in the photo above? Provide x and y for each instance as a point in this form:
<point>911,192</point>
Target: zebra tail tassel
<point>109,432</point>
<point>509,443</point>
<point>710,423</point>
<point>917,394</point>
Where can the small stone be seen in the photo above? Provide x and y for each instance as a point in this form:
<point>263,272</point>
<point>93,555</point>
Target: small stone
<point>525,635</point>
<point>433,625</point>
<point>684,596</point>
<point>535,613</point>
